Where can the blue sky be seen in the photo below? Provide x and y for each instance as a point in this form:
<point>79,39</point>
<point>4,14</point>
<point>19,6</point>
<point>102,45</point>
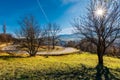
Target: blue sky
<point>61,12</point>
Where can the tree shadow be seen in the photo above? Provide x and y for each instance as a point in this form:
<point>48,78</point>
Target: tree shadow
<point>100,72</point>
<point>12,56</point>
<point>80,73</point>
<point>104,73</point>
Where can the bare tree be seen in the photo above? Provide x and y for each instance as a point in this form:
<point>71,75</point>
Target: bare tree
<point>52,31</point>
<point>101,25</point>
<point>4,29</point>
<point>31,34</point>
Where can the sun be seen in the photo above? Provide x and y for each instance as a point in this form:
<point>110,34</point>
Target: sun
<point>100,12</point>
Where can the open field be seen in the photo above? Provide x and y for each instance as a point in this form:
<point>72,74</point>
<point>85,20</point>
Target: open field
<point>69,67</point>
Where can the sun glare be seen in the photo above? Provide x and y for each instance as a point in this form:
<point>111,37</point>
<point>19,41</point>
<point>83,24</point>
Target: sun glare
<point>100,12</point>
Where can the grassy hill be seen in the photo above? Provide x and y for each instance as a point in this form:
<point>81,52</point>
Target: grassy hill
<point>67,67</point>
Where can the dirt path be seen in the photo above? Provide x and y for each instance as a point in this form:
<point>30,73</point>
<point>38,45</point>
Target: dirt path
<point>68,50</point>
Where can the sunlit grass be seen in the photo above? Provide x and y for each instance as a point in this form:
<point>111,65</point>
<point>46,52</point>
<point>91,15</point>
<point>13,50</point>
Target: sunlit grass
<point>40,67</point>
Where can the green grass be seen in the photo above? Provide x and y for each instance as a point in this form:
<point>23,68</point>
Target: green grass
<point>67,67</point>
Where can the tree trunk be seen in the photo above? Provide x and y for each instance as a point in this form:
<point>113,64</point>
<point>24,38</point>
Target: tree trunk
<point>32,53</point>
<point>100,59</point>
<point>100,52</point>
<point>53,43</point>
<point>53,46</point>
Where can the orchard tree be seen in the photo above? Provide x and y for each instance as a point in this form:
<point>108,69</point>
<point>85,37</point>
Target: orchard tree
<point>52,31</point>
<point>31,34</point>
<point>101,24</point>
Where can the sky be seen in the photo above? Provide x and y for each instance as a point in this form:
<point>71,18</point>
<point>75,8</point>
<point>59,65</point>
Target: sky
<point>61,12</point>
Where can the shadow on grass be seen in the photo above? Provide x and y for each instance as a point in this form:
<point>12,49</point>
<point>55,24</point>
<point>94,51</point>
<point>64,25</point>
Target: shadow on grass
<point>104,73</point>
<point>10,57</point>
<point>79,73</point>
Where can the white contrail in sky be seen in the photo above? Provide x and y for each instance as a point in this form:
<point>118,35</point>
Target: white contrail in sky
<point>39,4</point>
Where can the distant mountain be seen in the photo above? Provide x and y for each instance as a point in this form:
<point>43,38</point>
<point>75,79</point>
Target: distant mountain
<point>68,37</point>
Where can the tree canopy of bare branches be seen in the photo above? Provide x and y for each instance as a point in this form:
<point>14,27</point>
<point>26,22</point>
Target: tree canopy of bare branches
<point>100,27</point>
<point>31,34</point>
<point>52,31</point>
